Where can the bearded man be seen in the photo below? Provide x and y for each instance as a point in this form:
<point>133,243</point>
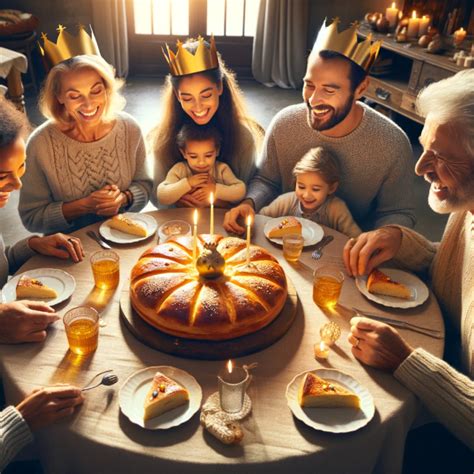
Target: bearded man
<point>374,154</point>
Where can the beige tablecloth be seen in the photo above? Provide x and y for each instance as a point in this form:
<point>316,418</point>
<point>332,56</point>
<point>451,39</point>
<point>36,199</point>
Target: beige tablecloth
<point>9,59</point>
<point>101,439</point>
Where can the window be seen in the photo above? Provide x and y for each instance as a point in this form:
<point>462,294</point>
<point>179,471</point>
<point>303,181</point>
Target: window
<point>172,17</point>
<point>152,23</point>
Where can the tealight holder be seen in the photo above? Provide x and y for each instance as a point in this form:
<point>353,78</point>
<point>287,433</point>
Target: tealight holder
<point>330,333</point>
<point>232,385</point>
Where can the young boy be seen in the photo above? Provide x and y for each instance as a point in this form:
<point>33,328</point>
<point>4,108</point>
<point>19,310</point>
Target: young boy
<point>200,174</point>
<point>317,177</point>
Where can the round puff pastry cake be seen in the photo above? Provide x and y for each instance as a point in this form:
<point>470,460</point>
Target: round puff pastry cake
<point>226,298</point>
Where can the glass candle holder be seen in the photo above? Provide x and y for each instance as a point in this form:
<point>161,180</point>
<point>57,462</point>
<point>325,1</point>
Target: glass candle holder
<point>232,387</point>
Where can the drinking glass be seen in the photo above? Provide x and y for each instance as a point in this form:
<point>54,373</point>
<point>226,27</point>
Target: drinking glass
<point>106,269</point>
<point>327,285</point>
<point>82,329</point>
<point>292,246</point>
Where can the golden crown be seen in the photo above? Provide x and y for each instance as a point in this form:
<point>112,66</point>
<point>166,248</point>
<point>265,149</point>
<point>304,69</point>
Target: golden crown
<point>68,46</point>
<point>184,62</point>
<point>364,53</point>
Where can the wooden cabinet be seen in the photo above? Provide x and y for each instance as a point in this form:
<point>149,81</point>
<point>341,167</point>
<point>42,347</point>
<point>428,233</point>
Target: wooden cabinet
<point>413,69</point>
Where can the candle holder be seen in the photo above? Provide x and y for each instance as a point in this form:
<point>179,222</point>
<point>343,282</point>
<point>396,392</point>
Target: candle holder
<point>330,333</point>
<point>232,385</point>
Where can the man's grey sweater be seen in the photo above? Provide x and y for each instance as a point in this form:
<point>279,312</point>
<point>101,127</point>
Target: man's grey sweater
<point>375,160</point>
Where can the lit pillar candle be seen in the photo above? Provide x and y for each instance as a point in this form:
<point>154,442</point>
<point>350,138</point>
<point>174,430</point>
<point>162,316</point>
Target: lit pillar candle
<point>424,24</point>
<point>211,227</point>
<point>321,350</point>
<point>249,224</point>
<point>413,26</point>
<point>392,15</point>
<point>459,36</point>
<point>195,234</point>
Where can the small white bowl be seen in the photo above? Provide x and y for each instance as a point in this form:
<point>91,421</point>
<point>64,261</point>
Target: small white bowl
<point>171,228</point>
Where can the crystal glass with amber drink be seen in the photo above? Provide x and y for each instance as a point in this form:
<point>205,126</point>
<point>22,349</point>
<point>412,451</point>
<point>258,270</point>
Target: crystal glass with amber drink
<point>292,246</point>
<point>82,329</point>
<point>106,269</point>
<point>327,285</point>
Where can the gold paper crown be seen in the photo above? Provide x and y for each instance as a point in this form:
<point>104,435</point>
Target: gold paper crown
<point>364,53</point>
<point>184,62</point>
<point>67,46</point>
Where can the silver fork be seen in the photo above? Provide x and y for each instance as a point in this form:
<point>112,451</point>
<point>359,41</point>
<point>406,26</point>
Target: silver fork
<point>317,252</point>
<point>94,236</point>
<point>401,324</point>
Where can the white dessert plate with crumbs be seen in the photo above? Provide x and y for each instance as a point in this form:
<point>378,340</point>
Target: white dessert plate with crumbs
<point>119,237</point>
<point>134,390</point>
<point>312,232</point>
<point>419,290</point>
<point>62,282</point>
<point>332,420</point>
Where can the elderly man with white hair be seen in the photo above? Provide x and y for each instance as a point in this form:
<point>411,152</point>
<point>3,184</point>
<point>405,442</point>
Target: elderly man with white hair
<point>447,163</point>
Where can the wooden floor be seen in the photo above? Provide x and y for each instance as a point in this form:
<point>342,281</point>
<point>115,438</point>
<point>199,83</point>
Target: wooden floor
<point>143,102</point>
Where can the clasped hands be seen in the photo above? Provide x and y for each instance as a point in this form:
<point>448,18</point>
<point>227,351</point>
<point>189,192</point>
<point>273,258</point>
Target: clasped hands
<point>107,201</point>
<point>202,185</point>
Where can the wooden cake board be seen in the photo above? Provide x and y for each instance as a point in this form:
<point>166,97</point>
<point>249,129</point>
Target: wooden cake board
<point>210,350</point>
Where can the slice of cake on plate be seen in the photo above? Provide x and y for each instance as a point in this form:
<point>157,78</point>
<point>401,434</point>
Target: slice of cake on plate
<point>127,225</point>
<point>32,288</point>
<point>288,225</point>
<point>163,395</point>
<point>317,392</point>
<point>381,284</point>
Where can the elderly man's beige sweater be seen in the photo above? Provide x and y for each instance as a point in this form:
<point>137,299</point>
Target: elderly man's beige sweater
<point>446,392</point>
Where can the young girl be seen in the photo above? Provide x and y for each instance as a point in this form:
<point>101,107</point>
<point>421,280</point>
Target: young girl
<point>317,177</point>
<point>200,173</point>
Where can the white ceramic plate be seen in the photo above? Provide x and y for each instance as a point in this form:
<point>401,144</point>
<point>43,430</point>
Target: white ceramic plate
<point>419,290</point>
<point>134,390</point>
<point>120,237</point>
<point>59,280</point>
<point>312,232</point>
<point>333,420</point>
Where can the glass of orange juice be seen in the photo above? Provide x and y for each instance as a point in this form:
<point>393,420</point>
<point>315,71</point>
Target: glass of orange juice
<point>82,329</point>
<point>327,285</point>
<point>292,246</point>
<point>106,269</point>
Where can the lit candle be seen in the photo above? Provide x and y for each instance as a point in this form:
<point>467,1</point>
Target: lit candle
<point>459,36</point>
<point>249,224</point>
<point>413,25</point>
<point>211,200</point>
<point>232,383</point>
<point>424,24</point>
<point>195,234</point>
<point>321,350</point>
<point>392,15</point>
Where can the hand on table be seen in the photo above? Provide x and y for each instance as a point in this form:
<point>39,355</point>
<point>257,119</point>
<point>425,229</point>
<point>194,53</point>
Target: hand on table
<point>25,321</point>
<point>377,344</point>
<point>231,218</point>
<point>58,245</point>
<point>47,405</point>
<point>370,249</point>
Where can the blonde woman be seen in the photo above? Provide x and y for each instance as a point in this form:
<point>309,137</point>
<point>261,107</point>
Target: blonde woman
<point>210,96</point>
<point>87,162</point>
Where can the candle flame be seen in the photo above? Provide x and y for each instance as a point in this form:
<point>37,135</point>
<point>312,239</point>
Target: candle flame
<point>393,5</point>
<point>195,217</point>
<point>322,345</point>
<point>249,220</point>
<point>229,366</point>
<point>413,14</point>
<point>211,199</point>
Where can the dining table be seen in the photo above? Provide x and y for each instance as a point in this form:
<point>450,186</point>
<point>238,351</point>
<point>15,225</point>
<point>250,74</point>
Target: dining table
<point>99,438</point>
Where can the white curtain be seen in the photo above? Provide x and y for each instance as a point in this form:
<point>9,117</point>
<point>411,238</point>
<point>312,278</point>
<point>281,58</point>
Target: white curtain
<point>279,49</point>
<point>109,20</point>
